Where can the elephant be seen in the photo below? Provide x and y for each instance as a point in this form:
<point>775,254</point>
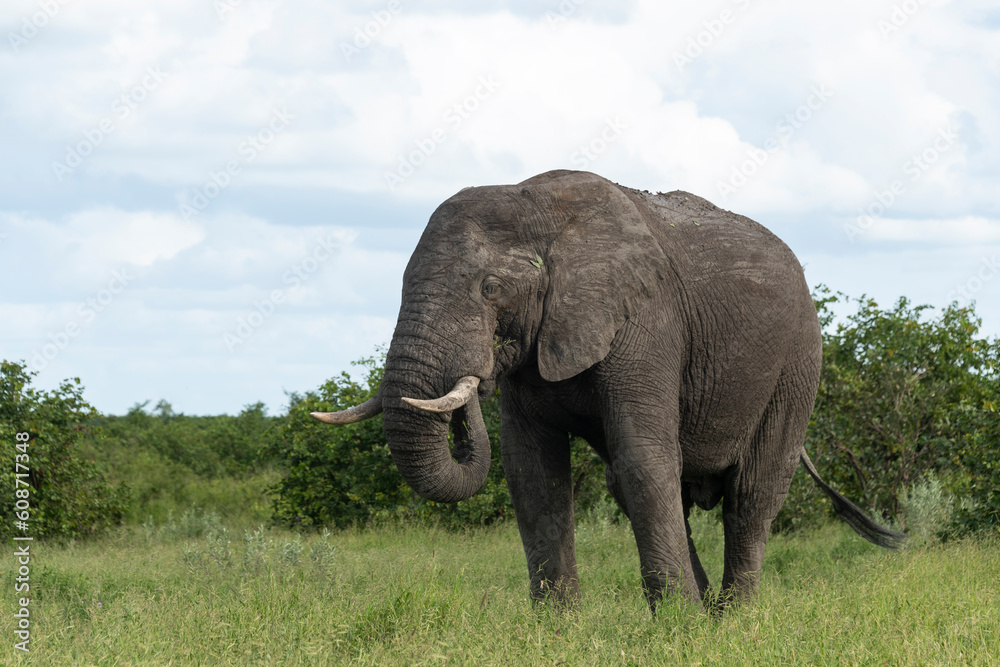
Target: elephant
<point>678,339</point>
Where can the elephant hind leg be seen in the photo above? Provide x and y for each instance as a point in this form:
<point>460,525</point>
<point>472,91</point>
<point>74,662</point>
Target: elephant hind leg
<point>756,487</point>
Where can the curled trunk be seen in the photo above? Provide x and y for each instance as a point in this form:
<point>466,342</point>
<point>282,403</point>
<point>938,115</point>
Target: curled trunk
<point>418,439</point>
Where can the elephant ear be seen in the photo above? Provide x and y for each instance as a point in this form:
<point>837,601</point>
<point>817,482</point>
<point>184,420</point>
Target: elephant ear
<point>604,267</point>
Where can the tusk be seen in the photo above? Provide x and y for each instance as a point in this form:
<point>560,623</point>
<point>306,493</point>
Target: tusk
<point>366,410</point>
<point>464,391</point>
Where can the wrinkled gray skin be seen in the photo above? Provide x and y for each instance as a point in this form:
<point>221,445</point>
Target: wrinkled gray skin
<point>678,339</point>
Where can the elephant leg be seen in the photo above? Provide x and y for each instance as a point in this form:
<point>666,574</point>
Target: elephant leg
<point>699,572</point>
<point>536,463</point>
<point>746,516</point>
<point>756,489</point>
<point>647,471</point>
<point>641,418</point>
<point>615,489</point>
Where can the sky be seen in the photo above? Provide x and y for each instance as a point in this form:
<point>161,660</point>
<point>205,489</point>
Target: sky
<point>212,202</point>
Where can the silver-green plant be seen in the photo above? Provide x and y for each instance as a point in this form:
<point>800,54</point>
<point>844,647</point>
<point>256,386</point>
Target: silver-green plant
<point>218,547</point>
<point>196,522</point>
<point>291,552</point>
<point>604,512</point>
<point>323,551</point>
<point>256,545</point>
<point>192,555</point>
<point>928,510</point>
<point>150,530</point>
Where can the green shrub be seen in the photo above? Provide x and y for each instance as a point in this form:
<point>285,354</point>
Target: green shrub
<point>70,495</point>
<point>139,449</point>
<point>930,510</point>
<point>902,395</point>
<point>335,475</point>
<point>209,446</point>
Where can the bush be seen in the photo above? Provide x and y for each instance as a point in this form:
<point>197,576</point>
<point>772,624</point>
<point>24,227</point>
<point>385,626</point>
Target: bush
<point>344,475</point>
<point>929,510</point>
<point>70,495</point>
<point>903,395</point>
<point>335,475</point>
<point>175,462</point>
<point>211,446</point>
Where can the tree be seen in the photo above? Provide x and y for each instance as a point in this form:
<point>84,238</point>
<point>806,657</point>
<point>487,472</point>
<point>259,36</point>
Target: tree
<point>902,395</point>
<point>69,493</point>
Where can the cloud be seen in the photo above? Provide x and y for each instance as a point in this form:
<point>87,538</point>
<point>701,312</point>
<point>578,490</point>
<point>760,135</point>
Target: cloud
<point>964,231</point>
<point>559,82</point>
<point>654,95</point>
<point>88,245</point>
<point>157,296</point>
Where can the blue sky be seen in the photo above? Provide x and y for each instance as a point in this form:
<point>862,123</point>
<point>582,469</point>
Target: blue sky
<point>212,202</point>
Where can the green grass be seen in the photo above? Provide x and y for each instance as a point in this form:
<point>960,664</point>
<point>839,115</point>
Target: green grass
<point>424,596</point>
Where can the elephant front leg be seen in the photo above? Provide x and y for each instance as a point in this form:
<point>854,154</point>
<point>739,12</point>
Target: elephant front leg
<point>648,474</point>
<point>536,462</point>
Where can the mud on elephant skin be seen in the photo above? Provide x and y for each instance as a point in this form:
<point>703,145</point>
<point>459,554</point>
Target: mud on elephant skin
<point>680,340</point>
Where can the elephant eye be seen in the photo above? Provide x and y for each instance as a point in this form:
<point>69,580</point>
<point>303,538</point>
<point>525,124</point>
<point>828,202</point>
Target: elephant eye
<point>491,287</point>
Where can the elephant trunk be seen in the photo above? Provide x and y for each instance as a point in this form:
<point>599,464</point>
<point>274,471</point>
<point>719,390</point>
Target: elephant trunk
<point>418,439</point>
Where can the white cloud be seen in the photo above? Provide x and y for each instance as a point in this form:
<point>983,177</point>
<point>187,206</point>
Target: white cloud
<point>557,89</point>
<point>92,243</point>
<point>558,85</point>
<point>967,231</point>
<point>182,287</point>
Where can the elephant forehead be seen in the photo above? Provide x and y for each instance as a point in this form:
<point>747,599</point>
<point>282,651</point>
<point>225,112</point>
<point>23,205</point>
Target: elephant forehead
<point>472,256</point>
<point>478,235</point>
<point>495,211</point>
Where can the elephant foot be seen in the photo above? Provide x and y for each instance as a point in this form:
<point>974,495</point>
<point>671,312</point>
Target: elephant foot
<point>562,595</point>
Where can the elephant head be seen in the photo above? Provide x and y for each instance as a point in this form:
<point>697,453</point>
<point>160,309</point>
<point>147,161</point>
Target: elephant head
<point>504,277</point>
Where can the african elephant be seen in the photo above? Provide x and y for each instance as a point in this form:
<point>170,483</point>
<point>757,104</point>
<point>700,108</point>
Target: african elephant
<point>679,340</point>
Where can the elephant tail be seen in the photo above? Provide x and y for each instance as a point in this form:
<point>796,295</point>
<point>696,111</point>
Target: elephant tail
<point>862,524</point>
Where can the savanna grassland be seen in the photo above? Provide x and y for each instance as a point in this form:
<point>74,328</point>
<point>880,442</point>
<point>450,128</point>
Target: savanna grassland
<point>403,596</point>
<point>160,538</point>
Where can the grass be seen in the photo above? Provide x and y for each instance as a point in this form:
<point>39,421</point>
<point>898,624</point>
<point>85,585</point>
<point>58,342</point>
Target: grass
<point>402,596</point>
